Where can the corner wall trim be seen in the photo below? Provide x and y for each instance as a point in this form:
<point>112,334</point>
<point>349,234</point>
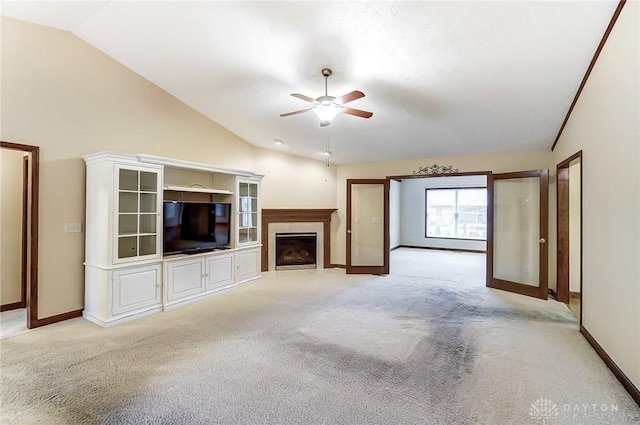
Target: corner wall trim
<point>614,18</point>
<point>57,318</point>
<point>624,380</point>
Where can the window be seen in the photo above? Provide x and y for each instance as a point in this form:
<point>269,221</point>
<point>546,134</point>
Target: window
<point>456,213</point>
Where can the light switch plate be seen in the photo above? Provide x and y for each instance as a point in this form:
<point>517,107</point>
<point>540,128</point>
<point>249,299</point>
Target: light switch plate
<point>73,227</point>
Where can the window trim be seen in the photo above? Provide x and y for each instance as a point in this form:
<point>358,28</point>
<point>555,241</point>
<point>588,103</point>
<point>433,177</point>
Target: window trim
<point>426,191</point>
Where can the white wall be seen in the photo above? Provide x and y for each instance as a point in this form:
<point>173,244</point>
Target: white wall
<point>294,182</point>
<point>605,126</point>
<point>413,211</point>
<point>11,180</point>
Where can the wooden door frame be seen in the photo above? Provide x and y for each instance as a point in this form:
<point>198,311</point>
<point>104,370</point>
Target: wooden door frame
<point>369,269</point>
<point>540,291</point>
<point>30,231</point>
<point>24,264</point>
<point>22,303</point>
<point>562,229</point>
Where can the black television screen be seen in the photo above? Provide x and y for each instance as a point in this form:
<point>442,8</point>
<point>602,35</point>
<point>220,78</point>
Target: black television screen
<point>191,227</point>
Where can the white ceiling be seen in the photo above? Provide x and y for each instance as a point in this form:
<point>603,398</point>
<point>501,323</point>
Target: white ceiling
<point>442,78</point>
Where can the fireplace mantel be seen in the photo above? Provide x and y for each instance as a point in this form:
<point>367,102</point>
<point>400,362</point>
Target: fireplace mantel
<point>297,216</point>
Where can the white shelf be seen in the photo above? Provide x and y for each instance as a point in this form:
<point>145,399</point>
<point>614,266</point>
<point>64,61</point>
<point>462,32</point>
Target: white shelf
<point>177,163</point>
<point>197,189</point>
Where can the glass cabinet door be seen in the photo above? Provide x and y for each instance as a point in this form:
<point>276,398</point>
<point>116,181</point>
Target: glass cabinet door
<point>137,213</point>
<point>247,212</point>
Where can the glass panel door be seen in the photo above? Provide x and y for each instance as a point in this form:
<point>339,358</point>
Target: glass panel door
<point>517,241</point>
<point>516,206</point>
<point>247,212</point>
<point>137,213</point>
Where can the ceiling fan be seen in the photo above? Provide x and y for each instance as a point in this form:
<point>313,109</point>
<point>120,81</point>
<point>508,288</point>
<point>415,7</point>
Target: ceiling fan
<point>328,107</point>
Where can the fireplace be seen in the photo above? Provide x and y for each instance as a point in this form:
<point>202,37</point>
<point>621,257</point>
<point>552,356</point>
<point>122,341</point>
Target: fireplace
<point>316,221</point>
<point>296,251</point>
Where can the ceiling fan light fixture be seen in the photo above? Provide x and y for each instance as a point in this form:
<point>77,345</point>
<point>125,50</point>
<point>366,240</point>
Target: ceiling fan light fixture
<point>326,112</point>
<point>328,107</point>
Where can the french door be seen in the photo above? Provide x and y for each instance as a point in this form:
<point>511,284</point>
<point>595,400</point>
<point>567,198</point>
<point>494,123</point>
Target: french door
<point>518,221</point>
<point>368,226</point>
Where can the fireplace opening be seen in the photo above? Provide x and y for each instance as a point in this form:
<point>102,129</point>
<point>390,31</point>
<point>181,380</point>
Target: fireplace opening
<point>296,251</point>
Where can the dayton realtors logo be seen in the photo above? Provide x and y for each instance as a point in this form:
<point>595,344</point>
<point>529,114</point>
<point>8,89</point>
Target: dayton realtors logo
<point>544,410</point>
<point>548,412</point>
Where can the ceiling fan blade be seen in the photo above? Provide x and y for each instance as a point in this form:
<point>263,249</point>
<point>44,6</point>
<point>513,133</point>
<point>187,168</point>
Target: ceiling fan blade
<point>296,112</point>
<point>303,97</point>
<point>357,112</point>
<point>356,94</point>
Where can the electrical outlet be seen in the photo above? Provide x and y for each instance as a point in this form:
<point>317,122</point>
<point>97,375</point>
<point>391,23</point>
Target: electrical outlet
<point>73,227</point>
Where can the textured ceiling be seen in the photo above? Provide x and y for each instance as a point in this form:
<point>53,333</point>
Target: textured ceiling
<point>442,78</point>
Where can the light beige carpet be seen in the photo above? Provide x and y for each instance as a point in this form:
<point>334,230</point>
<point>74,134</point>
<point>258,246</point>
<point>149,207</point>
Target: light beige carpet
<point>428,344</point>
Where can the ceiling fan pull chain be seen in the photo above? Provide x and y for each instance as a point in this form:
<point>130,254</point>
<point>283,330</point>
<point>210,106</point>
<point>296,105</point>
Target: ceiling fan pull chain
<point>327,152</point>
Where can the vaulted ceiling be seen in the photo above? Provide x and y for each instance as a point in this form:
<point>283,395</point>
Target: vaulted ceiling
<point>441,78</point>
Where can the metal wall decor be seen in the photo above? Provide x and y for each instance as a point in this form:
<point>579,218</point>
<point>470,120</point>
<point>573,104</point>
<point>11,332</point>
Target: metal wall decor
<point>435,169</point>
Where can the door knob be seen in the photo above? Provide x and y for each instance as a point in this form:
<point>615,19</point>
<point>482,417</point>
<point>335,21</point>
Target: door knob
<point>542,240</point>
<point>348,231</point>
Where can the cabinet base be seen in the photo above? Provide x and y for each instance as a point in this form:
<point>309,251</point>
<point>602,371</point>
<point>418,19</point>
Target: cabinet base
<point>251,279</point>
<point>195,298</point>
<point>167,306</point>
<point>118,320</point>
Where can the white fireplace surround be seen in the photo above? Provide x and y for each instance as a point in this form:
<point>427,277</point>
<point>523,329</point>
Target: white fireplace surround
<point>314,227</point>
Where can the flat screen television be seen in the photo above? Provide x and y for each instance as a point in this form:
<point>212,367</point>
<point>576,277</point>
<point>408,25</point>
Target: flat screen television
<point>191,227</point>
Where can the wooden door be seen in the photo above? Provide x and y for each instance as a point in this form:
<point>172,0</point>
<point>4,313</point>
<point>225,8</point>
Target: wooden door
<point>368,226</point>
<point>517,220</point>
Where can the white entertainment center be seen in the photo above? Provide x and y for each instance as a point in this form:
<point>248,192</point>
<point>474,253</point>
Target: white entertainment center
<point>127,274</point>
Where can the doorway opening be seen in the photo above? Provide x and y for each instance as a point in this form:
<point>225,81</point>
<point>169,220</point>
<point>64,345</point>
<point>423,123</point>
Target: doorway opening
<point>390,207</point>
<point>516,222</point>
<point>27,270</point>
<point>569,237</point>
<point>516,254</point>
